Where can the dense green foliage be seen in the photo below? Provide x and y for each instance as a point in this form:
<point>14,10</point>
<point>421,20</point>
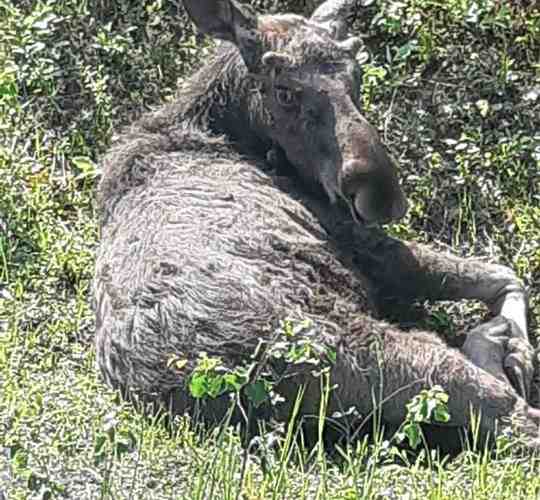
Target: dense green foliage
<point>454,88</point>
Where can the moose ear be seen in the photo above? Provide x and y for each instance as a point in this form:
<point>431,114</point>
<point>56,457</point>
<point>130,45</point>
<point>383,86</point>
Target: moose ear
<point>226,20</point>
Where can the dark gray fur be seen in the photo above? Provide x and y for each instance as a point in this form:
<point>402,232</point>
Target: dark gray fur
<point>205,247</point>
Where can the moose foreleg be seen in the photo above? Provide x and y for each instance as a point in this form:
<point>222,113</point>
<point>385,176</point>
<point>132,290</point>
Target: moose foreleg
<point>401,271</point>
<point>448,277</point>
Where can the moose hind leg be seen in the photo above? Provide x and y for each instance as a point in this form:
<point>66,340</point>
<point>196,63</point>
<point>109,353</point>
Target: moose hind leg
<point>400,366</point>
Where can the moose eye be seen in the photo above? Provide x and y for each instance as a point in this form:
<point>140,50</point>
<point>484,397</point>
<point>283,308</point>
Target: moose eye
<point>286,97</point>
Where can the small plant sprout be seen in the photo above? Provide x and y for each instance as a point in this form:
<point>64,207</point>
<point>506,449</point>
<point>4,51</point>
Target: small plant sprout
<point>430,406</point>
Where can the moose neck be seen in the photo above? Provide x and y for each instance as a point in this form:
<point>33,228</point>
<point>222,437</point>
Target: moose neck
<point>221,100</point>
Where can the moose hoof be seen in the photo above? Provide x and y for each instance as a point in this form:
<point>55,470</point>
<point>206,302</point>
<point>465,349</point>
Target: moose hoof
<point>519,364</point>
<point>499,348</point>
<point>486,346</point>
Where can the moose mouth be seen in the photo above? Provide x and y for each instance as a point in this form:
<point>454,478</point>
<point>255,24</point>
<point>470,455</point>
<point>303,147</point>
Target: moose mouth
<point>357,216</point>
<point>397,212</point>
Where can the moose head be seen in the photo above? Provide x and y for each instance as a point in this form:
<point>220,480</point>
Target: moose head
<point>303,80</point>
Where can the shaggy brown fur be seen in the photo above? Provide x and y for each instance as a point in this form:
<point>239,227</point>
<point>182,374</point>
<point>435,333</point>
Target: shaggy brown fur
<point>204,247</point>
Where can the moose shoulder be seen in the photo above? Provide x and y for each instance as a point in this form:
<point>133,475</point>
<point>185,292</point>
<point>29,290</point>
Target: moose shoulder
<point>205,248</point>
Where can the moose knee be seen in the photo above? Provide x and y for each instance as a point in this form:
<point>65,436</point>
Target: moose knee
<point>506,296</point>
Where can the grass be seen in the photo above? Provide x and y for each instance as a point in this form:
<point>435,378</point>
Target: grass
<point>454,88</point>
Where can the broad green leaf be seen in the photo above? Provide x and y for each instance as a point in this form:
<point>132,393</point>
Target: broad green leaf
<point>257,393</point>
<point>198,386</point>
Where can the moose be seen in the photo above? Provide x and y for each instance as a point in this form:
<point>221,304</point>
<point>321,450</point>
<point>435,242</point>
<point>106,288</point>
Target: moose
<point>259,194</point>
